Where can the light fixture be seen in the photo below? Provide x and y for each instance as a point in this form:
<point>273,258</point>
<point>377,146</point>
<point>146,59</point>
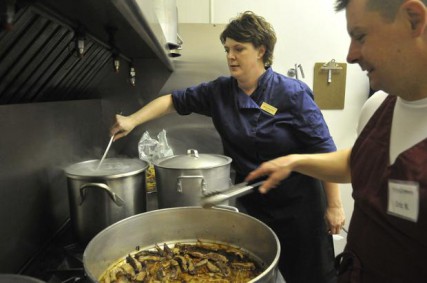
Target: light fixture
<point>116,60</point>
<point>7,15</point>
<point>116,63</point>
<point>111,31</point>
<point>132,75</point>
<point>80,41</point>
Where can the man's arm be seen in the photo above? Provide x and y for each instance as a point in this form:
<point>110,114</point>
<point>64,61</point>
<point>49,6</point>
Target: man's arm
<point>331,167</point>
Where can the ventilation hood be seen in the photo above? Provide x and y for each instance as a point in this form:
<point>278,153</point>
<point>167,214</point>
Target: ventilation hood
<point>39,51</point>
<point>156,21</point>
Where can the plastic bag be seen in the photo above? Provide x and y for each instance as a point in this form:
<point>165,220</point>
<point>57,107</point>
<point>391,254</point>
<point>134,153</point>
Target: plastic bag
<point>150,150</point>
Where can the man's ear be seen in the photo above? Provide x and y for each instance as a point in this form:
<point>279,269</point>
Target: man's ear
<point>416,13</point>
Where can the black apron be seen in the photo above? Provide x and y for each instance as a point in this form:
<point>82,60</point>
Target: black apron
<point>295,212</point>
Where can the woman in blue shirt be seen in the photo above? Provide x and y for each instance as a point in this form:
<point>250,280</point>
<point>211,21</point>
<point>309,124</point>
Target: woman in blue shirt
<point>261,115</point>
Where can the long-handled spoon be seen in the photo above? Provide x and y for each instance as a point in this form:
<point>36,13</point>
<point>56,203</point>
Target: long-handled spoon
<point>105,153</point>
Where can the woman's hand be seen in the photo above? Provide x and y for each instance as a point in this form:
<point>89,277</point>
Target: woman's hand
<point>122,127</point>
<point>335,219</point>
<point>153,110</point>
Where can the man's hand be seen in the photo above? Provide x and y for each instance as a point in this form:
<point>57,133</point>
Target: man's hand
<point>277,169</point>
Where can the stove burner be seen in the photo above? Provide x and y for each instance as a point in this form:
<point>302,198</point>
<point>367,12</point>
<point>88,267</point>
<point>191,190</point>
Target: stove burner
<point>61,261</point>
<point>70,269</point>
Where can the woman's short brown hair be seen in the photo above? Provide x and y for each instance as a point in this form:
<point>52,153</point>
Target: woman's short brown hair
<point>248,27</point>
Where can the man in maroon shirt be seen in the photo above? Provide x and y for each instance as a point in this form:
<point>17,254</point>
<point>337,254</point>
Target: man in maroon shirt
<point>387,166</point>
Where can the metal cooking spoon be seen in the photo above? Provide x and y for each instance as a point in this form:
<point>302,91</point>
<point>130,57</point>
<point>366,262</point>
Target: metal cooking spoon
<point>105,153</point>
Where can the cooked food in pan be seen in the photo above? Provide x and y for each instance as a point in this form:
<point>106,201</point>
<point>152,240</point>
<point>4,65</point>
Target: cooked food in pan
<point>196,262</point>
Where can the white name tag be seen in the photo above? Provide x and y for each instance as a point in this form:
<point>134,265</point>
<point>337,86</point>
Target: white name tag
<point>403,199</point>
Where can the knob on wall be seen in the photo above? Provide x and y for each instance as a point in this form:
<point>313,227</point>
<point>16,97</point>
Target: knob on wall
<point>293,72</point>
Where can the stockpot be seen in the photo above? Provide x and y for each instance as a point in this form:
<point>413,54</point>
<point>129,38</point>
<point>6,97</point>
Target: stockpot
<point>99,197</point>
<point>183,225</point>
<point>182,179</point>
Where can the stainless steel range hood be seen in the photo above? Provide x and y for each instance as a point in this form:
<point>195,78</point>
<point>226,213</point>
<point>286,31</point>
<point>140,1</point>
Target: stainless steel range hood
<point>39,54</point>
<point>155,21</point>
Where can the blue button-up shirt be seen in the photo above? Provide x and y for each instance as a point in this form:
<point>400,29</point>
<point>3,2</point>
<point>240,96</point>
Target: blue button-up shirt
<point>251,135</point>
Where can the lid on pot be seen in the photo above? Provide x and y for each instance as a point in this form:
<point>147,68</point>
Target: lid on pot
<point>110,167</point>
<point>193,160</point>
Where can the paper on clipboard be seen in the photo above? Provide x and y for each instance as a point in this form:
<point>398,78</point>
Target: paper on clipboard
<point>329,84</point>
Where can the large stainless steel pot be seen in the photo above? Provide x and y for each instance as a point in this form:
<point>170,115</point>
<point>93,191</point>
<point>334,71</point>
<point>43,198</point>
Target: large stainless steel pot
<point>101,197</point>
<point>183,224</point>
<point>182,179</point>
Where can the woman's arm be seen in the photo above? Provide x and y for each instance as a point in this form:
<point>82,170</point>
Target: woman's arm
<point>155,109</point>
<point>335,215</point>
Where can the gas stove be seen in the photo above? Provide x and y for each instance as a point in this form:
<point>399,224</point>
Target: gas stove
<point>60,261</point>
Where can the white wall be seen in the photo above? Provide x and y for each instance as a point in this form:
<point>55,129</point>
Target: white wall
<point>308,32</point>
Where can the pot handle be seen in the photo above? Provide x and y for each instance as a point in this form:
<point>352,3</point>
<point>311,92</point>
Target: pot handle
<point>179,182</point>
<point>193,153</point>
<point>117,200</point>
<point>227,207</point>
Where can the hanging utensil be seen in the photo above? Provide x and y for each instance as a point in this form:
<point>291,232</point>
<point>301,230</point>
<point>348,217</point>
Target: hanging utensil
<point>217,197</point>
<point>105,153</point>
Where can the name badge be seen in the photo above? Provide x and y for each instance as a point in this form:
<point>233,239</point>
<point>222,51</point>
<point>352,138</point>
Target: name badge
<point>268,108</point>
<point>403,199</point>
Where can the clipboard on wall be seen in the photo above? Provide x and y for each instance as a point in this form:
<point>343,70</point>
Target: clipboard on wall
<point>329,84</point>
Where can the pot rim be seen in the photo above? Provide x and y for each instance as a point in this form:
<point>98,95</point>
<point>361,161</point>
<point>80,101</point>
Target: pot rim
<point>226,160</point>
<point>71,170</point>
<point>267,270</point>
<point>18,278</point>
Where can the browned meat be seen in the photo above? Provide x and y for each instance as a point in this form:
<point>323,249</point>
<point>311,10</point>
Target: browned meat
<point>198,262</point>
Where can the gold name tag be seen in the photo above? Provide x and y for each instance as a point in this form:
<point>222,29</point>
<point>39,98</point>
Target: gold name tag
<point>268,108</point>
